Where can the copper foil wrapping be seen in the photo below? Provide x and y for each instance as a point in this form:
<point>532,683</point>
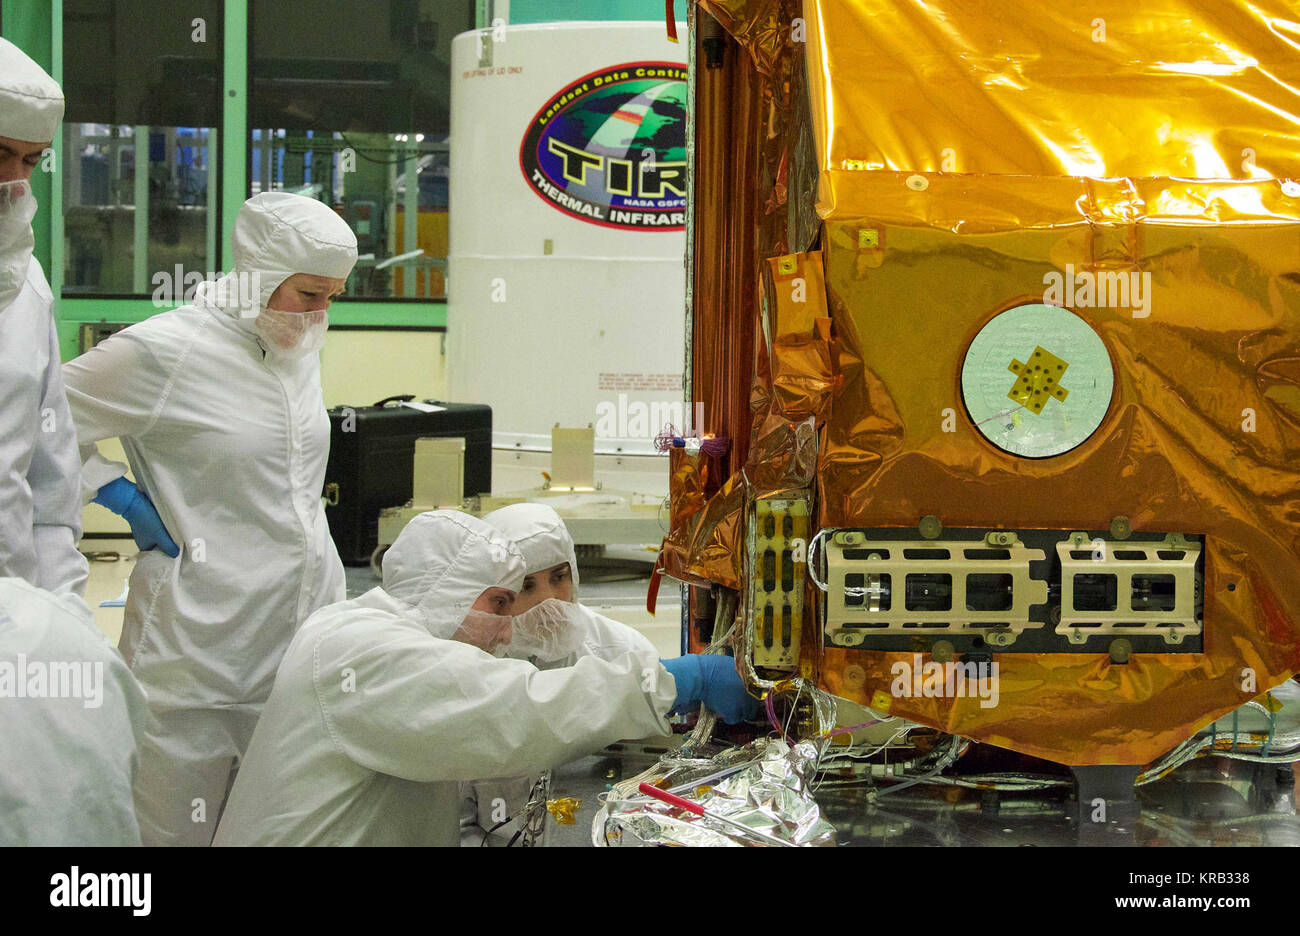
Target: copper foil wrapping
<point>1219,343</point>
<point>1161,88</point>
<point>960,157</point>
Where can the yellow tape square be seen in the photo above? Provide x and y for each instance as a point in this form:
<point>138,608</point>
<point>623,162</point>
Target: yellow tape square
<point>1039,380</point>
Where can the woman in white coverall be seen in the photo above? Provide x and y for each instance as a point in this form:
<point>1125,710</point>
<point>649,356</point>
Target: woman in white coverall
<point>385,701</point>
<point>218,405</point>
<point>552,563</point>
<point>40,506</point>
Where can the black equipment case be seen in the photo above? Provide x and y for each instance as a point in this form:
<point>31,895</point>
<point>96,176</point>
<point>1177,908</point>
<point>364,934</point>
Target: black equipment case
<point>372,456</point>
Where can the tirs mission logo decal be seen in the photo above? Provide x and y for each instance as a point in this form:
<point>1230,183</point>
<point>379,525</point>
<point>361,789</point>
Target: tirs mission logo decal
<point>611,148</point>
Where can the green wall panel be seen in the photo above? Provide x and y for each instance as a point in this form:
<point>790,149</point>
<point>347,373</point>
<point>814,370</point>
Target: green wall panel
<point>547,11</point>
<point>36,27</point>
<point>372,314</point>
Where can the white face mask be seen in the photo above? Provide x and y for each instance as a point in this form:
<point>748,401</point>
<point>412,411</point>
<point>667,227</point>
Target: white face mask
<point>292,334</point>
<point>17,208</point>
<point>547,632</point>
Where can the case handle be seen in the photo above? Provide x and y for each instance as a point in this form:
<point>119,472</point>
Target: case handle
<point>399,398</point>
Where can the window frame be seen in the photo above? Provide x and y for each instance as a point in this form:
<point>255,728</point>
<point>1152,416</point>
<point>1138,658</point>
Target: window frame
<point>38,25</point>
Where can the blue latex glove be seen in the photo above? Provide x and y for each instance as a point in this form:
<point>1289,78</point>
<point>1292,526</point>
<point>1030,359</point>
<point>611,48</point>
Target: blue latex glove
<point>133,505</point>
<point>712,679</point>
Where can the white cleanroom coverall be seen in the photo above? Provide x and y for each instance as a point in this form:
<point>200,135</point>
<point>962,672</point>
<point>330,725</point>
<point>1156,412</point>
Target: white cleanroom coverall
<point>70,718</point>
<point>541,536</point>
<point>376,714</point>
<point>40,502</point>
<point>230,443</point>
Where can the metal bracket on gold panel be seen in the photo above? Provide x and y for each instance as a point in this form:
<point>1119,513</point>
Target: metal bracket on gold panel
<point>780,540</point>
<point>1128,588</point>
<point>930,587</point>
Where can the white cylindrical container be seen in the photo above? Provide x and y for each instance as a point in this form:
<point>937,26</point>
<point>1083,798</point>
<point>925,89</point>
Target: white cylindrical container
<point>565,273</point>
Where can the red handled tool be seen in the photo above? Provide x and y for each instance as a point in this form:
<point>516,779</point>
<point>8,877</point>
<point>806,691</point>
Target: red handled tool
<point>673,799</point>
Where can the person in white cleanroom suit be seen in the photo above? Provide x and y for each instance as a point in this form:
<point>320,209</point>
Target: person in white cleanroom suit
<point>552,563</point>
<point>548,551</point>
<point>218,405</point>
<point>385,701</point>
<point>40,502</point>
<point>70,718</point>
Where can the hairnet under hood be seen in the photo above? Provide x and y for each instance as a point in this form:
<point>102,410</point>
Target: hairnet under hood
<point>540,536</point>
<point>443,560</point>
<point>278,234</point>
<point>31,102</point>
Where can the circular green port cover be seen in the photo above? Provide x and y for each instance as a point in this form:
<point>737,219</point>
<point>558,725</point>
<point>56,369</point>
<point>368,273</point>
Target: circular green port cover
<point>1037,381</point>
